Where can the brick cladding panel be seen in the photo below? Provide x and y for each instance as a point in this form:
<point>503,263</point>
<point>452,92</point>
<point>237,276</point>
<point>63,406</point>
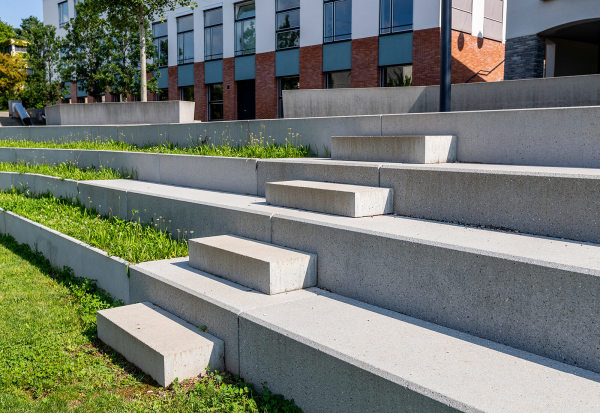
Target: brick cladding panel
<point>229,90</point>
<point>172,77</point>
<point>469,56</point>
<point>73,92</point>
<point>199,92</point>
<point>311,67</point>
<point>365,57</point>
<point>266,86</point>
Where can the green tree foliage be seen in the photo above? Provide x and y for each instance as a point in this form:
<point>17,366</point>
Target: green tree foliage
<point>42,86</point>
<point>143,11</point>
<point>6,32</point>
<point>12,77</point>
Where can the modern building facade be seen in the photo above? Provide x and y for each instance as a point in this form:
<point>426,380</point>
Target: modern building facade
<point>233,58</point>
<point>547,38</point>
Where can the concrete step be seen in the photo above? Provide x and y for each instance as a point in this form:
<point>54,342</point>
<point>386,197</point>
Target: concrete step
<point>159,343</point>
<point>405,149</point>
<point>265,267</point>
<point>313,345</point>
<point>534,293</point>
<point>331,198</point>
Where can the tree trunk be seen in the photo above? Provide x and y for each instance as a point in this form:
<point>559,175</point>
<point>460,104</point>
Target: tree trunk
<point>142,30</point>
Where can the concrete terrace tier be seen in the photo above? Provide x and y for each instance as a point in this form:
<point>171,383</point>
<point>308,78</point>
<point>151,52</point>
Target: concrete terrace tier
<point>405,149</point>
<point>294,342</point>
<point>121,113</point>
<point>161,344</point>
<point>268,268</point>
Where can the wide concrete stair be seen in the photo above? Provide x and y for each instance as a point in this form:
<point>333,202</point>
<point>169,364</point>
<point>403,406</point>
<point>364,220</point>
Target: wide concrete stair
<point>405,149</point>
<point>331,198</point>
<point>159,343</point>
<point>259,265</point>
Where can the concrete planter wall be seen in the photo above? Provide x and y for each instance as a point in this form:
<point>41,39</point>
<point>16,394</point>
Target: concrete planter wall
<point>110,273</point>
<point>121,113</point>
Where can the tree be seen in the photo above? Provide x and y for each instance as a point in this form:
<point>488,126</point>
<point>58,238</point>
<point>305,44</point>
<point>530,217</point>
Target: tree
<point>13,71</point>
<point>144,11</point>
<point>6,31</point>
<point>42,86</point>
<point>85,49</point>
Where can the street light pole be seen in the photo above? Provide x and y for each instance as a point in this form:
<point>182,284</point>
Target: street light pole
<point>446,57</point>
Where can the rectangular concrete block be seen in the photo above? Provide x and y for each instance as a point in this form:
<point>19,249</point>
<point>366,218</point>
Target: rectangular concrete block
<point>327,170</point>
<point>331,198</point>
<point>159,343</point>
<point>265,267</point>
<point>144,166</point>
<point>104,198</point>
<point>404,149</point>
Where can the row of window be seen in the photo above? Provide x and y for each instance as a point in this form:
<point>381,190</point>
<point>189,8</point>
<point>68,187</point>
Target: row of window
<point>395,16</point>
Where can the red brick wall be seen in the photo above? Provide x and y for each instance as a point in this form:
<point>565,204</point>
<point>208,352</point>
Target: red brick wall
<point>173,89</point>
<point>365,57</point>
<point>73,92</point>
<point>266,86</point>
<point>199,92</point>
<point>311,67</point>
<point>470,55</point>
<point>229,90</point>
<point>108,97</point>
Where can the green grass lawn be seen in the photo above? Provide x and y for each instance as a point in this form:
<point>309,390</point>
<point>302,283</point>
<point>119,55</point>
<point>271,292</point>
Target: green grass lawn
<point>257,148</point>
<point>52,361</point>
<point>64,170</point>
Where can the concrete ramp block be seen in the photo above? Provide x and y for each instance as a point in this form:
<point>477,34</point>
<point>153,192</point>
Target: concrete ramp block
<point>159,343</point>
<point>265,267</point>
<point>403,149</point>
<point>331,198</point>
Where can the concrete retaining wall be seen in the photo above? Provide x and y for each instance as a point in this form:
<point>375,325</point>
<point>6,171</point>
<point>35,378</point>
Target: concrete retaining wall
<point>110,273</point>
<point>517,94</point>
<point>552,137</point>
<point>120,113</point>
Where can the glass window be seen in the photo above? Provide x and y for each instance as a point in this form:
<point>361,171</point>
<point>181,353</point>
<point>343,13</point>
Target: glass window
<point>162,94</point>
<point>215,101</point>
<point>63,13</point>
<point>394,76</point>
<point>337,20</point>
<point>336,80</point>
<point>287,24</point>
<point>161,44</point>
<point>213,34</point>
<point>285,83</point>
<point>185,39</point>
<point>245,29</point>
<point>186,93</point>
<point>395,16</point>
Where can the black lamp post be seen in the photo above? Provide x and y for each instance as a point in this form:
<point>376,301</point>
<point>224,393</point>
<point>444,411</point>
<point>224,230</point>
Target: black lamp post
<point>446,57</point>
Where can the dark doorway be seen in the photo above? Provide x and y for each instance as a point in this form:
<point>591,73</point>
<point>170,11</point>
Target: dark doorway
<point>246,99</point>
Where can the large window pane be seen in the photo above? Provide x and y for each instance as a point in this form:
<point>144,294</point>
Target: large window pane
<point>288,39</point>
<point>394,76</point>
<point>287,4</point>
<point>328,16</point>
<point>288,19</point>
<point>337,24</point>
<point>160,29</point>
<point>185,23</point>
<point>402,15</point>
<point>245,11</point>
<point>335,80</point>
<point>161,44</point>
<point>245,37</point>
<point>213,17</point>
<point>385,16</point>
<point>213,42</point>
<point>186,93</point>
<point>185,47</point>
<point>63,13</point>
<point>215,101</point>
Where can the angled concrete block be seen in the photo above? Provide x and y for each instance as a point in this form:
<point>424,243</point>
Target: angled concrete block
<point>265,267</point>
<point>331,198</point>
<point>159,343</point>
<point>405,149</point>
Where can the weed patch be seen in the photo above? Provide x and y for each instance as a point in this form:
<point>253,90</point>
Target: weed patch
<point>66,170</point>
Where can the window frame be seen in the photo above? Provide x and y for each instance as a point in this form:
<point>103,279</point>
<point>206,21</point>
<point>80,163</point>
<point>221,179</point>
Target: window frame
<point>280,90</point>
<point>209,28</point>
<point>245,52</point>
<point>62,23</point>
<point>181,93</point>
<point>391,29</point>
<point>287,29</point>
<point>383,74</point>
<point>183,61</point>
<point>334,39</point>
<point>210,103</point>
<point>157,46</point>
<point>328,83</point>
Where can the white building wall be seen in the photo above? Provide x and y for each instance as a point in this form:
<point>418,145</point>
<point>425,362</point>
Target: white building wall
<point>365,18</point>
<point>228,29</point>
<point>426,14</point>
<point>478,15</point>
<point>265,26</point>
<point>527,17</point>
<point>311,22</point>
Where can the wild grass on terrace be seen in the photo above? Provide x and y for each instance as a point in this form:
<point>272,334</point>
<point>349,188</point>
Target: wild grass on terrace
<point>66,170</point>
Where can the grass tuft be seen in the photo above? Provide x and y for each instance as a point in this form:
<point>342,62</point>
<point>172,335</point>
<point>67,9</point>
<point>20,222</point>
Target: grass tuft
<point>66,170</point>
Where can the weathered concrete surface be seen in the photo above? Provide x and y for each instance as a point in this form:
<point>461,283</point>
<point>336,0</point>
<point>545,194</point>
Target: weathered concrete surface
<point>549,137</point>
<point>557,202</point>
<point>330,198</point>
<point>404,149</point>
<point>402,364</point>
<point>201,299</point>
<point>515,94</point>
<point>258,265</point>
<point>120,113</point>
<point>110,273</point>
<point>160,344</point>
